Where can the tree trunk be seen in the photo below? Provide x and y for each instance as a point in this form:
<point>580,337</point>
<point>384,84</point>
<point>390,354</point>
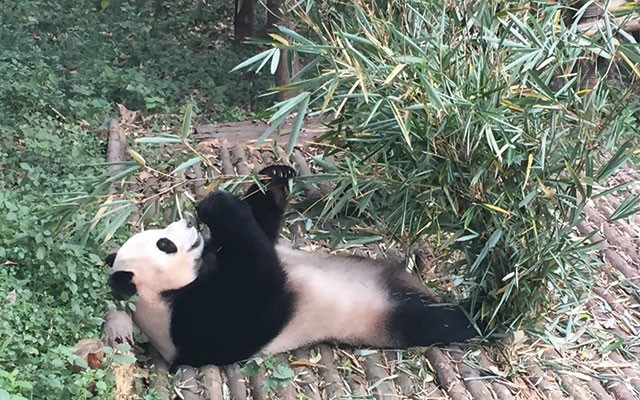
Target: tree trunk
<point>283,73</point>
<point>244,20</point>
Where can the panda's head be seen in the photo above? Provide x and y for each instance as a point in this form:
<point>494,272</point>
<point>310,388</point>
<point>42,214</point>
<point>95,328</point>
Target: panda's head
<point>157,260</point>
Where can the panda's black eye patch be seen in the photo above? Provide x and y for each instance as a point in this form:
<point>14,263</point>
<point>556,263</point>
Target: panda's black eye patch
<point>167,246</point>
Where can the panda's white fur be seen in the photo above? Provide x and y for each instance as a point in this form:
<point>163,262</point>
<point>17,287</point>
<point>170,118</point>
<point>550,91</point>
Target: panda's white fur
<point>155,272</point>
<point>224,299</point>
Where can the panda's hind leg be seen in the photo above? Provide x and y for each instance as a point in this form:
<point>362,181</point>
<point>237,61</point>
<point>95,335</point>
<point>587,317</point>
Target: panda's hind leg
<point>269,202</point>
<point>415,321</point>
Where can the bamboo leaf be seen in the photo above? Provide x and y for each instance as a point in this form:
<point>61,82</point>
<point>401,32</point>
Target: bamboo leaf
<point>190,162</point>
<point>186,122</point>
<point>629,206</point>
<point>265,55</point>
<point>158,140</point>
<point>275,60</point>
<point>297,123</point>
<point>616,160</point>
<point>137,157</point>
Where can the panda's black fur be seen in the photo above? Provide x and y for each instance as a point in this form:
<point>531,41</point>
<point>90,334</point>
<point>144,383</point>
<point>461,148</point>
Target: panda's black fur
<point>244,301</point>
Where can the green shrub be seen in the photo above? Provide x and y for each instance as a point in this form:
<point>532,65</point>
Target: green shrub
<point>470,123</point>
<point>64,66</point>
<point>70,59</point>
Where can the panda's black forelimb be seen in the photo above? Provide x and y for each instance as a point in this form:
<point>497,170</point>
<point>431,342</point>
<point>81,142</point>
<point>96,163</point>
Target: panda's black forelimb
<point>268,205</point>
<point>244,297</point>
<point>234,230</point>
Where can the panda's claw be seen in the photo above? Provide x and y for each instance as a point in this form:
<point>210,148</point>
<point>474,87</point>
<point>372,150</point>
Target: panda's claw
<point>279,172</point>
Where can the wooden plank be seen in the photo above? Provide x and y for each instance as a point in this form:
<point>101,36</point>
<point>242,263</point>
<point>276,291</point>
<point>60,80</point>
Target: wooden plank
<point>447,375</point>
<point>305,377</point>
<point>501,391</point>
<point>332,387</point>
<point>236,382</point>
<point>188,387</point>
<point>379,379</point>
<point>212,384</point>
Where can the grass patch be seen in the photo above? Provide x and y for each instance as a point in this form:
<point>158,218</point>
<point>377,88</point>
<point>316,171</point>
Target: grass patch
<point>65,65</point>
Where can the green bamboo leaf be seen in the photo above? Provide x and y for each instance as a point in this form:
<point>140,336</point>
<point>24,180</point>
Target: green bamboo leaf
<point>275,60</point>
<point>489,245</point>
<point>629,206</point>
<point>621,156</point>
<point>158,140</point>
<point>117,223</point>
<point>190,162</point>
<point>297,123</point>
<point>286,107</point>
<point>296,36</point>
<point>122,174</point>
<point>186,122</point>
<point>265,55</point>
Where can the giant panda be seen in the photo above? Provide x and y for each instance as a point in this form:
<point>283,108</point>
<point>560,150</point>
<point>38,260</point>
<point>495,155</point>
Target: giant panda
<point>237,294</point>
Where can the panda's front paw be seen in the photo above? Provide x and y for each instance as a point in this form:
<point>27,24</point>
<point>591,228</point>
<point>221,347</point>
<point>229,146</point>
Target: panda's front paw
<point>278,173</point>
<point>220,209</point>
<point>122,285</point>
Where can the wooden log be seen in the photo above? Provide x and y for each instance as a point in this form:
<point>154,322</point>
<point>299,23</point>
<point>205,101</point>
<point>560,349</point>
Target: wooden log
<point>619,390</point>
<point>379,378</point>
<point>598,391</point>
<point>312,192</point>
<point>447,375</point>
<point>256,385</point>
<point>188,387</point>
<point>332,387</point>
<point>116,148</point>
<point>118,326</point>
<point>502,391</point>
<point>212,385</point>
<point>285,391</point>
<point>626,23</point>
<point>403,381</point>
<point>571,385</point>
<point>240,160</point>
<point>159,380</point>
<point>236,381</point>
<point>225,157</point>
<point>612,234</point>
<point>305,378</point>
<point>471,377</point>
<point>546,382</point>
<point>631,374</point>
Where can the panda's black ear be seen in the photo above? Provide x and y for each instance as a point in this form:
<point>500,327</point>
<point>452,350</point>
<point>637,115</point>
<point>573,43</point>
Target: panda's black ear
<point>110,259</point>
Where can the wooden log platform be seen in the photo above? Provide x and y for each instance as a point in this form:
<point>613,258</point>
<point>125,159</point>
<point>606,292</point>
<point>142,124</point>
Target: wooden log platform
<point>601,363</point>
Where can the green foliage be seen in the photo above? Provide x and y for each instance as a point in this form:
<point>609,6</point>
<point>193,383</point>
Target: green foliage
<point>276,373</point>
<point>69,59</point>
<point>65,65</point>
<point>52,290</point>
<point>472,123</point>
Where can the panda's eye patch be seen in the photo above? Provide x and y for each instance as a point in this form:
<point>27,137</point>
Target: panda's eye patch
<point>167,246</point>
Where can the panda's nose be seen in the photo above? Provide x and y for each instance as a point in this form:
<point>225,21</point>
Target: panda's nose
<point>189,224</point>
